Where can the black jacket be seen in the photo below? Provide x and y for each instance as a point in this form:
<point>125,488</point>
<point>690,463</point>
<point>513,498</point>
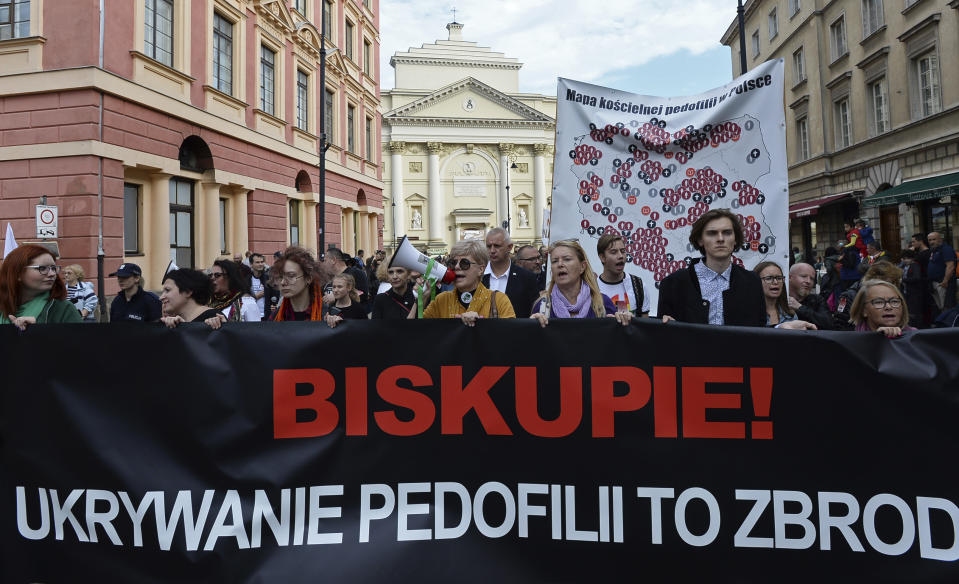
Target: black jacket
<point>743,303</point>
<point>815,310</point>
<point>521,289</point>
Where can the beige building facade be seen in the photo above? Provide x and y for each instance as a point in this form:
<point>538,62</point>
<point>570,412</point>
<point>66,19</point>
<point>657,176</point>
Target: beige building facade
<point>463,149</point>
<point>872,113</point>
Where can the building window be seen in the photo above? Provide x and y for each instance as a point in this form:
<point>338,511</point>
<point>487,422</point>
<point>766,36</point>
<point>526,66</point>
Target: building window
<point>843,123</point>
<point>872,18</point>
<point>755,44</point>
<point>267,69</point>
<point>368,58</point>
<point>799,66</point>
<point>327,18</point>
<point>348,41</point>
<point>223,248</point>
<point>158,43</point>
<point>773,24</point>
<point>837,36</point>
<point>328,118</point>
<point>302,101</point>
<point>131,218</point>
<point>802,136</point>
<point>294,222</point>
<point>927,69</point>
<point>369,139</point>
<point>350,134</point>
<point>300,6</point>
<point>14,19</point>
<point>222,54</point>
<point>879,107</point>
<point>181,222</point>
<point>793,7</point>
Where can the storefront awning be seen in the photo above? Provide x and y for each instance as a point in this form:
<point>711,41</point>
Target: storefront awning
<point>806,208</point>
<point>934,187</point>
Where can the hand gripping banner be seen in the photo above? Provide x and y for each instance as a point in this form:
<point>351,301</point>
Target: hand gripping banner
<point>583,452</point>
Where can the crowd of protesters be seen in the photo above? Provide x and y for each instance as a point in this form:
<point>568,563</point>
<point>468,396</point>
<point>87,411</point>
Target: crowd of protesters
<point>854,286</point>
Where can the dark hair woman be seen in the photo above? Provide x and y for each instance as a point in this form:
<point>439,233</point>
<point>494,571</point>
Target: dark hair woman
<point>299,279</point>
<point>185,296</point>
<point>231,293</point>
<point>30,290</point>
<point>774,291</point>
<point>398,300</point>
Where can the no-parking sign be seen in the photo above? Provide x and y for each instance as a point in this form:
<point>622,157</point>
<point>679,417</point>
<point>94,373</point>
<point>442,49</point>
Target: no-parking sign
<point>47,221</point>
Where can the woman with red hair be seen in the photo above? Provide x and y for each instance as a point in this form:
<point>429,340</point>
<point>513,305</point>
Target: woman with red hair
<point>30,290</point>
<point>298,278</point>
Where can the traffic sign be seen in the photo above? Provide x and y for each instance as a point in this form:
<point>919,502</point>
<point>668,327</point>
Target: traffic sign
<point>47,216</point>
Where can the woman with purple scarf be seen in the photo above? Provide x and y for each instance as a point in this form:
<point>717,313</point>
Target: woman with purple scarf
<point>573,290</point>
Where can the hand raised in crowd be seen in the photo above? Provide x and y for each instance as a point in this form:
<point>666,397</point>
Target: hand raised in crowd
<point>423,289</point>
<point>793,303</point>
<point>798,325</point>
<point>21,322</point>
<point>470,318</point>
<point>891,332</point>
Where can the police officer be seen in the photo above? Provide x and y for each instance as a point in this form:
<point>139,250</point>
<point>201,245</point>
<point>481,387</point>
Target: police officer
<point>133,303</point>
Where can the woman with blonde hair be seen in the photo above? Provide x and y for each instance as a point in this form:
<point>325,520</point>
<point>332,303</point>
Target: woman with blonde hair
<point>880,307</point>
<point>469,300</point>
<point>80,293</point>
<point>346,301</point>
<point>573,290</point>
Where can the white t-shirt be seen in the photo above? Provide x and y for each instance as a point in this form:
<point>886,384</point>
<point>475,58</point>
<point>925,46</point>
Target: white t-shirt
<point>256,287</point>
<point>623,291</point>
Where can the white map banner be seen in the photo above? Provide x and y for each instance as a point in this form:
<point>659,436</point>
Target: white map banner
<point>648,167</point>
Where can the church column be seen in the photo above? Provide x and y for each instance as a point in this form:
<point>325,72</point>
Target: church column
<point>502,205</point>
<point>436,218</point>
<point>539,186</point>
<point>398,225</point>
<point>157,229</point>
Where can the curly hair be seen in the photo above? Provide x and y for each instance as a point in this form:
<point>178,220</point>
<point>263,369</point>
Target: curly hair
<point>234,276</point>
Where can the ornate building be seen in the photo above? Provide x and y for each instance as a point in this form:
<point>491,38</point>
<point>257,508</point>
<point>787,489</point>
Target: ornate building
<point>871,113</point>
<point>188,129</point>
<point>467,150</point>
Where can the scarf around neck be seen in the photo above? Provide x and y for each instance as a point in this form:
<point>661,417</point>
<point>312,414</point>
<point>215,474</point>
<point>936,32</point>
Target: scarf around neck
<point>562,308</point>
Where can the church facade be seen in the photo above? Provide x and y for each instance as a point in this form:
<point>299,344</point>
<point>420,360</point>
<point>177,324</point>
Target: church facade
<point>464,150</point>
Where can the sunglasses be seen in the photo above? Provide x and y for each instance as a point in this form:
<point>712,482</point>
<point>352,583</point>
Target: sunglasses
<point>464,264</point>
<point>215,275</point>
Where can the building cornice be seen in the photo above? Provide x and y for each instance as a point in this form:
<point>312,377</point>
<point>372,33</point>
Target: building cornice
<point>465,123</point>
<point>443,62</point>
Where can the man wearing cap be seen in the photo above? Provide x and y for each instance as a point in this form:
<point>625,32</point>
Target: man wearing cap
<point>133,303</point>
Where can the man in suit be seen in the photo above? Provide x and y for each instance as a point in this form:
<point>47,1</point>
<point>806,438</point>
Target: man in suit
<point>714,290</point>
<point>502,275</point>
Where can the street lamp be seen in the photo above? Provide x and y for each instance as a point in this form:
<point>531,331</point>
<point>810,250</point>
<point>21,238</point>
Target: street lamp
<point>742,38</point>
<point>506,224</point>
<point>323,146</point>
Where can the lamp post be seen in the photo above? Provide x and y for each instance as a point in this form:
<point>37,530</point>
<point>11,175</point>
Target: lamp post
<point>323,146</point>
<point>742,37</point>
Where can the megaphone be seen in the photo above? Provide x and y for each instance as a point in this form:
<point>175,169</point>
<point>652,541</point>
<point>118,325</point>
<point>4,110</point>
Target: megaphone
<point>408,257</point>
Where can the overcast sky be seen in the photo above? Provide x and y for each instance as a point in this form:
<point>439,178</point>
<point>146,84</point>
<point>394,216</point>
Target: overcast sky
<point>650,47</point>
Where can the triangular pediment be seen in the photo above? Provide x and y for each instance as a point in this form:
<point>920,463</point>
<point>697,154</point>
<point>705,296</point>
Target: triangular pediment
<point>278,13</point>
<point>468,100</point>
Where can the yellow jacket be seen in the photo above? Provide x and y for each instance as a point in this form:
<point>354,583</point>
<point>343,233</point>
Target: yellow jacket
<point>447,304</point>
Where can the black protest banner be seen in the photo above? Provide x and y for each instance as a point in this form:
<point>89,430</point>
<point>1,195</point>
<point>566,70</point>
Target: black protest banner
<point>431,452</point>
